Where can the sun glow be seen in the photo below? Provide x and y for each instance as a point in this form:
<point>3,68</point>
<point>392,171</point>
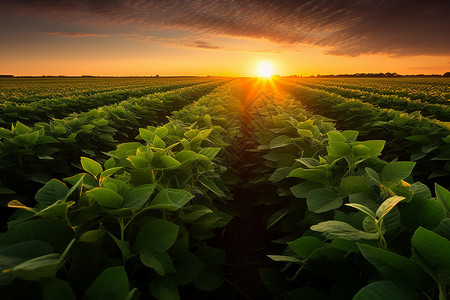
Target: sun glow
<point>265,69</point>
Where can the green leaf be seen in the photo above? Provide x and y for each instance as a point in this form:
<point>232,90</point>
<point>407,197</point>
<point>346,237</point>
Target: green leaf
<point>354,184</point>
<point>53,191</point>
<point>146,134</point>
<point>284,258</point>
<point>338,229</point>
<point>444,228</point>
<point>433,248</point>
<point>375,146</point>
<point>280,141</point>
<point>276,217</point>
<point>318,176</point>
<point>52,231</point>
<point>362,208</point>
<point>394,172</point>
<point>350,135</point>
<point>210,185</point>
<point>36,268</point>
<point>381,290</point>
<point>137,197</point>
<point>91,166</point>
<point>305,245</point>
<point>42,266</point>
<point>280,174</point>
<point>171,199</point>
<point>186,264</point>
<point>110,163</point>
<point>403,271</point>
<point>124,246</point>
<point>57,209</point>
<point>302,189</point>
<point>307,161</point>
<point>211,276</point>
<point>164,288</point>
<point>110,171</point>
<point>336,136</point>
<point>209,152</point>
<point>138,162</point>
<point>339,148</point>
<point>19,128</point>
<point>186,156</point>
<point>92,236</point>
<point>158,261</point>
<point>156,235</point>
<point>443,197</point>
<point>169,162</point>
<point>322,200</point>
<point>158,143</point>
<point>161,131</point>
<point>387,205</point>
<point>111,284</point>
<point>424,212</point>
<point>106,197</point>
<point>193,212</point>
<point>56,289</point>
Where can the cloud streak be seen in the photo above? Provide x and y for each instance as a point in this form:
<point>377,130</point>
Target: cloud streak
<point>76,34</point>
<point>343,27</point>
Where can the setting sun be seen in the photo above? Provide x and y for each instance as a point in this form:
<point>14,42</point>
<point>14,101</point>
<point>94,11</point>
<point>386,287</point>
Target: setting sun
<point>265,69</point>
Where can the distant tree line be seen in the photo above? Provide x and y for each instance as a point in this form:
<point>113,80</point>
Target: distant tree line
<point>371,75</point>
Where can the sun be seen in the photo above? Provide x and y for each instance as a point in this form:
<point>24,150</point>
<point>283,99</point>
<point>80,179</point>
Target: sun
<point>265,69</point>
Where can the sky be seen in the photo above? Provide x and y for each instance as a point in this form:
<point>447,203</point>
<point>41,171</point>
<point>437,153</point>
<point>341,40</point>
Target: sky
<point>223,37</point>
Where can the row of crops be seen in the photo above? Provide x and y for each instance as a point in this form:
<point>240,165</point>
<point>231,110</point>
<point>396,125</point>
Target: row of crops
<point>308,193</point>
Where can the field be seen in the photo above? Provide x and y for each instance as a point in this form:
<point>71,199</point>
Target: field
<point>232,188</point>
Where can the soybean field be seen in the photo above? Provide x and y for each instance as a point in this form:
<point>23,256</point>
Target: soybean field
<point>232,188</point>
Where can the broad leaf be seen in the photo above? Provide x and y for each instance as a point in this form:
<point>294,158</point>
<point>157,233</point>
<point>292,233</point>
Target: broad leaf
<point>111,284</point>
<point>106,197</point>
<point>53,191</point>
<point>158,261</point>
<point>394,172</point>
<point>387,205</point>
<point>171,199</point>
<point>156,235</point>
<point>322,200</point>
<point>91,166</point>
<point>381,290</point>
<point>338,229</point>
<point>305,245</point>
<point>137,197</point>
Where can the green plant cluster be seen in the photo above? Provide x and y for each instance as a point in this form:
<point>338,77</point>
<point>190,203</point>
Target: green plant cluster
<point>408,136</point>
<point>355,226</point>
<point>33,155</point>
<point>45,109</point>
<point>23,90</point>
<point>432,90</point>
<point>436,111</point>
<point>134,225</point>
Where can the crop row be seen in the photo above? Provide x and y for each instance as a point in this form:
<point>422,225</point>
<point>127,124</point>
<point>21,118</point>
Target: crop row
<point>46,109</point>
<point>30,156</point>
<point>135,224</point>
<point>25,90</point>
<point>408,136</point>
<point>433,90</point>
<point>354,225</point>
<point>431,110</point>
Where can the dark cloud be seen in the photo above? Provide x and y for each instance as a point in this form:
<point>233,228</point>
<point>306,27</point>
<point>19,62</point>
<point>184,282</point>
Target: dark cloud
<point>76,34</point>
<point>344,27</point>
<point>203,45</point>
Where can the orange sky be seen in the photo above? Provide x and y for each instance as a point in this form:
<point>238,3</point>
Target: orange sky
<point>221,38</point>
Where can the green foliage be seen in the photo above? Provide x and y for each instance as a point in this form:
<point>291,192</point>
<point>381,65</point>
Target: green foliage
<point>145,210</point>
